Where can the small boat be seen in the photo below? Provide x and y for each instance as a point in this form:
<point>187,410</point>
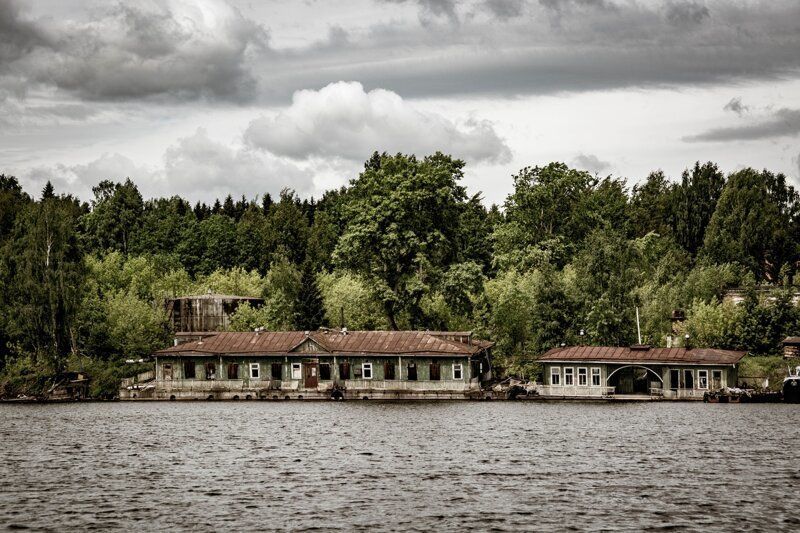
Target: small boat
<point>791,386</point>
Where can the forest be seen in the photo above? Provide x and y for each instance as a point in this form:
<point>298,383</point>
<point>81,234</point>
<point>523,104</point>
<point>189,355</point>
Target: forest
<point>567,258</point>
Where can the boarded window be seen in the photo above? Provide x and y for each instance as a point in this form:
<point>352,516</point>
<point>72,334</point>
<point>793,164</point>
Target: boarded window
<point>412,372</point>
<point>388,370</point>
<point>356,372</point>
<point>276,372</point>
<point>166,371</point>
<point>436,373</point>
<point>324,371</point>
<point>188,370</point>
<point>344,370</point>
<point>233,371</point>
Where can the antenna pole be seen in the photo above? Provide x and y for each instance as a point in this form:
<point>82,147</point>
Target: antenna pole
<point>638,329</point>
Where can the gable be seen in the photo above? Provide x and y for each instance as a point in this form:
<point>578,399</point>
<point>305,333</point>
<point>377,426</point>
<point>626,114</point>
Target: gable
<point>309,346</point>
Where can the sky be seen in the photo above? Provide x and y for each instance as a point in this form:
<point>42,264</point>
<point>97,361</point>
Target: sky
<point>205,98</point>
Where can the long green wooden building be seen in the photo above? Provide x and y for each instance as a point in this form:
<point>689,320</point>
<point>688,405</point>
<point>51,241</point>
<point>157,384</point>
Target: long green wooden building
<point>321,364</point>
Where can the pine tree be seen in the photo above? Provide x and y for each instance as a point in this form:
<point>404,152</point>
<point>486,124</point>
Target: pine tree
<point>48,191</point>
<point>309,311</point>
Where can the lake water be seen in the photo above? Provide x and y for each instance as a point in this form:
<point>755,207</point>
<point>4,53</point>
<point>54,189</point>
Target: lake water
<point>367,465</point>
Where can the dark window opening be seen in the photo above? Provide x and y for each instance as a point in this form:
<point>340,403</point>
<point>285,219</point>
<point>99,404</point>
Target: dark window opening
<point>167,371</point>
<point>688,378</point>
<point>388,370</point>
<point>324,371</point>
<point>674,379</point>
<point>233,371</point>
<point>276,371</point>
<point>211,371</point>
<point>475,367</point>
<point>188,370</point>
<point>412,372</point>
<point>344,370</point>
<point>436,374</point>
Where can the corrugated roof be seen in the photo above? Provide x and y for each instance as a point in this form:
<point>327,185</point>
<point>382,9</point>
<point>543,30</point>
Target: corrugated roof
<point>354,342</point>
<point>618,354</point>
<point>791,340</point>
<point>214,296</point>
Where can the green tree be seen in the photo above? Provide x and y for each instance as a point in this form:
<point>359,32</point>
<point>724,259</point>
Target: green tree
<point>403,217</point>
<point>116,216</point>
<point>697,198</point>
<point>309,311</point>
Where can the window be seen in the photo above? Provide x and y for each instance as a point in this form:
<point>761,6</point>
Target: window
<point>188,370</point>
<point>166,371</point>
<point>555,375</point>
<point>674,377</point>
<point>569,377</point>
<point>436,373</point>
<point>583,377</point>
<point>233,371</point>
<point>412,372</point>
<point>595,377</point>
<point>344,370</point>
<point>688,378</point>
<point>255,370</point>
<point>296,371</point>
<point>366,370</point>
<point>211,371</point>
<point>276,371</point>
<point>458,371</point>
<point>324,371</point>
<point>702,379</point>
<point>716,379</point>
<point>388,370</point>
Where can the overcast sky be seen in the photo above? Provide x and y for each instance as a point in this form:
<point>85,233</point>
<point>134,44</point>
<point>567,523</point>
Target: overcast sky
<point>208,97</point>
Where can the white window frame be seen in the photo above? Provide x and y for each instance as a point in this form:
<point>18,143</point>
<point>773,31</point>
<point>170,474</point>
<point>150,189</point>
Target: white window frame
<point>702,379</point>
<point>598,374</point>
<point>460,368</point>
<point>255,371</point>
<point>569,372</point>
<point>297,371</point>
<point>555,371</point>
<point>585,377</point>
<point>366,367</point>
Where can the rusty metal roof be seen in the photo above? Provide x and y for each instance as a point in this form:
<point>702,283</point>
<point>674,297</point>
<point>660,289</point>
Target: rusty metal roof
<point>214,296</point>
<point>351,343</point>
<point>619,354</point>
<point>791,340</point>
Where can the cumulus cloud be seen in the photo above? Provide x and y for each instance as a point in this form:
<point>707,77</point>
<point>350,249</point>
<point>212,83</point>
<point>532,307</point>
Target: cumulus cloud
<point>736,106</point>
<point>591,163</point>
<point>344,120</point>
<point>195,167</point>
<point>781,123</point>
<point>686,12</point>
<point>176,47</point>
<point>198,163</point>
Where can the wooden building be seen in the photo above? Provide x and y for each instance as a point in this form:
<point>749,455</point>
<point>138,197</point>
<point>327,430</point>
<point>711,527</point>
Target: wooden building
<point>791,347</point>
<point>319,365</point>
<point>637,372</point>
<point>204,313</point>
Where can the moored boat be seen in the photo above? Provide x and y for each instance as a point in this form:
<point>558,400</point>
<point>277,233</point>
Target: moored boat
<point>791,386</point>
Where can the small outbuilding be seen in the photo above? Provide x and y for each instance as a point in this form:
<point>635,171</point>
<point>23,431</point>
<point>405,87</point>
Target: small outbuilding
<point>791,347</point>
<point>639,371</point>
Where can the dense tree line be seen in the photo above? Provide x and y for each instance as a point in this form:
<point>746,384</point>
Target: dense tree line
<point>566,259</point>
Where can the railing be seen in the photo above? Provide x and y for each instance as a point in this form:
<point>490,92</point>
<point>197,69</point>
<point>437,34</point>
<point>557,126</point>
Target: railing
<point>399,385</point>
<point>142,377</point>
<point>574,391</point>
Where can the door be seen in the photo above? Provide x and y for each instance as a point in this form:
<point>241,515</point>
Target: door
<point>311,374</point>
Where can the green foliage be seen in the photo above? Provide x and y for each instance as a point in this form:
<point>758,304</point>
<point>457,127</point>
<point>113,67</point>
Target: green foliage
<point>350,302</point>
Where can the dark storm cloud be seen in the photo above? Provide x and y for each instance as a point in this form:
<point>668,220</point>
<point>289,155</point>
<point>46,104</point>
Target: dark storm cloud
<point>172,50</point>
<point>781,123</point>
<point>591,163</point>
<point>130,52</point>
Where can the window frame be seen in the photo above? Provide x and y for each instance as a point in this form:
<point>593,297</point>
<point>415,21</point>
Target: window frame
<point>598,374</point>
<point>585,376</point>
<point>166,371</point>
<point>235,368</point>
<point>299,368</point>
<point>688,372</point>
<point>279,367</point>
<point>569,371</point>
<point>364,368</point>
<point>702,376</point>
<point>257,368</point>
<point>556,371</point>
<point>717,371</point>
<point>329,371</point>
<point>189,365</point>
<point>460,368</point>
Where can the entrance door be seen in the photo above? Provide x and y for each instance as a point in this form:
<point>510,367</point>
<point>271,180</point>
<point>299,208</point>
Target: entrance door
<point>311,374</point>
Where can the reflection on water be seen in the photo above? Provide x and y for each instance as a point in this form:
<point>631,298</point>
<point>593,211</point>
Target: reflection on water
<point>369,465</point>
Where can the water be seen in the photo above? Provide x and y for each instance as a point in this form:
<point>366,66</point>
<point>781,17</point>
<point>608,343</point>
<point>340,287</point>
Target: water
<point>447,466</point>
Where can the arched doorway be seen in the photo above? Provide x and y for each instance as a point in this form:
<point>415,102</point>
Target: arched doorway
<point>632,379</point>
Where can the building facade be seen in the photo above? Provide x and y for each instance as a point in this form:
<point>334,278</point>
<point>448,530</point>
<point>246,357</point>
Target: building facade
<point>637,372</point>
<point>320,365</point>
